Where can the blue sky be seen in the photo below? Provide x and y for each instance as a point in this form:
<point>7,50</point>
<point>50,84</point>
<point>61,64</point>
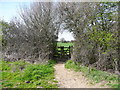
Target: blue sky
<point>8,10</point>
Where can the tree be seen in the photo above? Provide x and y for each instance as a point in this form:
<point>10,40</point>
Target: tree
<point>4,27</point>
<point>34,37</point>
<point>94,27</point>
<point>62,40</point>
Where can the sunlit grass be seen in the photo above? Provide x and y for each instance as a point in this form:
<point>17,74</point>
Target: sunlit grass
<point>65,44</point>
<point>21,74</point>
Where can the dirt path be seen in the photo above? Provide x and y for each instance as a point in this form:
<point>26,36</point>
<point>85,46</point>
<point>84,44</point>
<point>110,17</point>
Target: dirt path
<point>71,79</point>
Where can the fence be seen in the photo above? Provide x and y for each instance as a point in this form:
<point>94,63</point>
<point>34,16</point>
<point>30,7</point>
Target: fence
<point>63,52</point>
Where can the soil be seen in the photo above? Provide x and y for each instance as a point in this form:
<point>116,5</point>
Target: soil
<point>70,79</point>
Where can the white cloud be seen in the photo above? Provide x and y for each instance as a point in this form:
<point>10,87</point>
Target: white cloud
<point>66,35</point>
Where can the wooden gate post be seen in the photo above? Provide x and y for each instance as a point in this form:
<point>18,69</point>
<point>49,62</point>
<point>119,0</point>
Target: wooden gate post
<point>71,50</point>
<point>62,51</point>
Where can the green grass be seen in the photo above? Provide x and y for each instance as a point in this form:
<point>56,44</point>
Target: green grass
<point>94,75</point>
<point>65,44</point>
<point>21,74</point>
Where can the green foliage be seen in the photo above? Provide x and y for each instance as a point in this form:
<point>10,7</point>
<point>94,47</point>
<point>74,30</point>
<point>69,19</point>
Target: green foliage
<point>70,63</point>
<point>30,76</point>
<point>52,62</point>
<point>5,67</point>
<point>37,71</point>
<point>102,33</point>
<point>102,38</point>
<point>94,74</point>
<point>3,26</point>
<point>96,35</point>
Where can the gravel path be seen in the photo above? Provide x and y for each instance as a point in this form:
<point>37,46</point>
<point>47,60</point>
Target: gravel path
<point>71,79</point>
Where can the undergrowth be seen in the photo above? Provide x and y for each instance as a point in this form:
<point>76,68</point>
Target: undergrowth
<point>21,74</point>
<point>94,74</point>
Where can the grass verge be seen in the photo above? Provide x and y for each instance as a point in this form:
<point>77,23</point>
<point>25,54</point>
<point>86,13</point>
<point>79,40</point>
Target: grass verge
<point>21,74</point>
<point>94,75</point>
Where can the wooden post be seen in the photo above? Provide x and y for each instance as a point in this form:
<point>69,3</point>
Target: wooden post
<point>62,51</point>
<point>69,52</point>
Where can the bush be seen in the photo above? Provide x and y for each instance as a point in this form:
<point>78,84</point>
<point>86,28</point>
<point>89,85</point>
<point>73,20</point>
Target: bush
<point>52,62</point>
